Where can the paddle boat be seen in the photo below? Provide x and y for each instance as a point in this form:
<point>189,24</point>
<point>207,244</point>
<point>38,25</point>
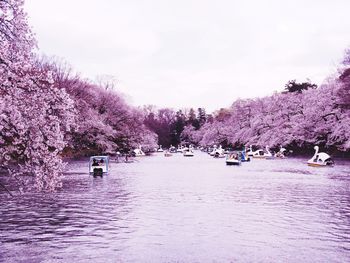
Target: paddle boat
<point>219,153</point>
<point>320,159</point>
<point>180,149</point>
<point>263,154</point>
<point>188,152</point>
<point>244,156</point>
<point>234,158</point>
<point>160,149</point>
<point>138,152</point>
<point>172,149</point>
<point>281,153</point>
<point>213,151</point>
<point>98,165</point>
<point>250,153</point>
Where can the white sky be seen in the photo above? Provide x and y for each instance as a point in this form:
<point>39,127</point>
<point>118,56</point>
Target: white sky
<point>195,53</point>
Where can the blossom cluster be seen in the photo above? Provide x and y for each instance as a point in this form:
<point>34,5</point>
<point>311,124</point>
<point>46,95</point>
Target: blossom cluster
<point>44,111</point>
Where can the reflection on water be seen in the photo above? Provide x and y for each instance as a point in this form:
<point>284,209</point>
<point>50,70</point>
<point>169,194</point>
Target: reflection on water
<point>176,209</point>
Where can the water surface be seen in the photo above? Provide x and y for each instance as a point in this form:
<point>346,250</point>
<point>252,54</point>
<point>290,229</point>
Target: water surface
<point>177,209</point>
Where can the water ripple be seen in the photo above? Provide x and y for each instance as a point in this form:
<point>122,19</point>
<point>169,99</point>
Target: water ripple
<point>184,210</point>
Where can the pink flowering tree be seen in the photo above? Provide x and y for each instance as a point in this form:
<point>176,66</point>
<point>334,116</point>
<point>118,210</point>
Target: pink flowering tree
<point>296,119</point>
<point>34,114</point>
<point>106,124</point>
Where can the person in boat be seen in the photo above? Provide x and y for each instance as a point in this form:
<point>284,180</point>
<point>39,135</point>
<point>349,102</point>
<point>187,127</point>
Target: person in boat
<point>95,162</point>
<point>233,156</point>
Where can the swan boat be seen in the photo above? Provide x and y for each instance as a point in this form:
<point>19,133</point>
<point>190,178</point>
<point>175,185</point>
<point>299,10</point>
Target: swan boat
<point>263,154</point>
<point>138,152</point>
<point>172,149</point>
<point>160,149</point>
<point>180,149</point>
<point>213,151</point>
<point>188,152</point>
<point>280,153</point>
<point>219,153</point>
<point>320,159</point>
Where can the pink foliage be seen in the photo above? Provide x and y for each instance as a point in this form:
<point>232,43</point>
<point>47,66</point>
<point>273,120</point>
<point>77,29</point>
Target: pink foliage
<point>34,114</point>
<point>315,116</point>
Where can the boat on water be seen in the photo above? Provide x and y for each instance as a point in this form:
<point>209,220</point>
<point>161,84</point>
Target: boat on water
<point>281,153</point>
<point>263,154</point>
<point>188,152</point>
<point>172,149</point>
<point>219,153</point>
<point>98,165</point>
<point>180,149</point>
<point>212,151</point>
<point>250,153</point>
<point>244,156</point>
<point>320,159</point>
<point>233,158</point>
<point>138,152</point>
<point>160,149</point>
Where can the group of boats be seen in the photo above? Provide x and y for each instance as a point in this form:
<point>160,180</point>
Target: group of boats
<point>319,159</point>
<point>237,157</point>
<point>232,157</point>
<point>186,151</point>
<point>98,165</point>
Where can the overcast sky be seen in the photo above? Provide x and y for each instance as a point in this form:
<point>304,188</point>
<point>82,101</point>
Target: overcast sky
<point>195,53</point>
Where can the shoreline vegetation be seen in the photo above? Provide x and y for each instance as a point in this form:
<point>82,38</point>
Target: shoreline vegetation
<point>48,113</point>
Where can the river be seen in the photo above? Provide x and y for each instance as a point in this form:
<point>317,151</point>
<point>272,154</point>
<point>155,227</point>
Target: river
<point>178,209</point>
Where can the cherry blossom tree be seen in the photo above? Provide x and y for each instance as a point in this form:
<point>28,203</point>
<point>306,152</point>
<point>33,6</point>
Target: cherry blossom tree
<point>34,114</point>
<point>295,119</point>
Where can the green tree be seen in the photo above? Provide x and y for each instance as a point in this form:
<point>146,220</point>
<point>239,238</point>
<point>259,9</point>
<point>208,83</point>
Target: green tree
<point>202,116</point>
<point>293,86</point>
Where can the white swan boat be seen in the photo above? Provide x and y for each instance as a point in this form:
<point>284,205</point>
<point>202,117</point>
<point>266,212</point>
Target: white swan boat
<point>280,153</point>
<point>188,152</point>
<point>172,149</point>
<point>219,153</point>
<point>138,152</point>
<point>212,153</point>
<point>320,159</point>
<point>180,149</point>
<point>263,154</point>
<point>160,149</point>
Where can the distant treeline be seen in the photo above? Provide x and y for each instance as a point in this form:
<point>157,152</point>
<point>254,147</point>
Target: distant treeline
<point>169,124</point>
<point>300,117</point>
